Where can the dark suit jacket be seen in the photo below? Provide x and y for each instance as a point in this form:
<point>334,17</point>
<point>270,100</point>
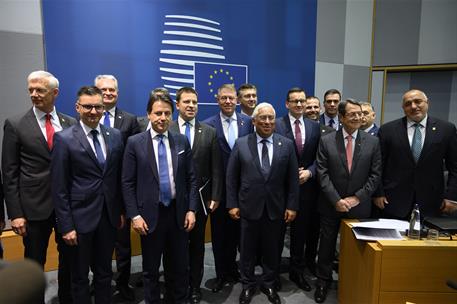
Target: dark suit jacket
<point>326,130</point>
<point>249,190</point>
<point>25,161</point>
<point>337,182</point>
<point>81,187</point>
<point>143,123</point>
<point>374,130</point>
<point>206,159</point>
<point>322,122</point>
<point>140,178</point>
<point>404,182</point>
<point>126,123</point>
<point>308,156</point>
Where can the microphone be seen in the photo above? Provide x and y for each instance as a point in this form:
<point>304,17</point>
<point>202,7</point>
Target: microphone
<point>22,282</point>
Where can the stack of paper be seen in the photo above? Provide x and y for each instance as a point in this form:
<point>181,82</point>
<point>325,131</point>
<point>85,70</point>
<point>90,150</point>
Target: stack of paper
<point>382,229</point>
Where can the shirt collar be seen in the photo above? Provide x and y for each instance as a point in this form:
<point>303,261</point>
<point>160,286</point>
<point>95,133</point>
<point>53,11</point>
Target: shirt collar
<point>40,114</point>
<point>154,133</point>
<point>260,138</point>
<point>224,118</point>
<point>293,119</point>
<point>423,122</point>
<point>181,121</point>
<point>354,135</point>
<point>327,118</point>
<point>87,129</point>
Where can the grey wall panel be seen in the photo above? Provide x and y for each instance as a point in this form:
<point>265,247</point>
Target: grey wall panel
<point>438,32</point>
<point>21,16</point>
<point>397,32</point>
<point>396,85</point>
<point>377,81</point>
<point>357,47</point>
<point>328,76</point>
<point>453,100</point>
<point>330,36</point>
<point>355,82</point>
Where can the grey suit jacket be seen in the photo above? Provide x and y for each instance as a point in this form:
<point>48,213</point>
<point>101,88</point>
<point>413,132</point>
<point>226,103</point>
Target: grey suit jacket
<point>206,159</point>
<point>337,182</point>
<point>26,162</point>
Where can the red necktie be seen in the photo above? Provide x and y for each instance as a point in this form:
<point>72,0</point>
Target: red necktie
<point>349,152</point>
<point>298,140</point>
<point>49,131</point>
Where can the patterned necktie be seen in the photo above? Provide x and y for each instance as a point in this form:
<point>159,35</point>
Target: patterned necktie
<point>106,121</point>
<point>49,131</point>
<point>331,122</point>
<point>298,138</point>
<point>165,187</point>
<point>231,132</point>
<point>265,158</point>
<point>416,145</point>
<point>98,147</point>
<point>187,132</point>
<point>349,152</point>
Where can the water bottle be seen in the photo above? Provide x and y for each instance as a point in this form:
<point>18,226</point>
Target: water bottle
<point>414,231</point>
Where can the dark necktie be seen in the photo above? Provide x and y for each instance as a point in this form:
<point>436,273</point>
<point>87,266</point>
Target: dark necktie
<point>49,131</point>
<point>165,187</point>
<point>106,121</point>
<point>331,122</point>
<point>349,151</point>
<point>265,158</point>
<point>187,132</point>
<point>298,138</point>
<point>98,148</point>
<point>416,145</point>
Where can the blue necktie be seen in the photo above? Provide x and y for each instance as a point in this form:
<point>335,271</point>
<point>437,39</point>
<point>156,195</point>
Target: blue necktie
<point>98,148</point>
<point>106,121</point>
<point>416,145</point>
<point>265,158</point>
<point>165,187</point>
<point>331,122</point>
<point>187,132</point>
<point>231,133</point>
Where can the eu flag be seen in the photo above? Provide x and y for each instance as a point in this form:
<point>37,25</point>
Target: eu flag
<point>210,76</point>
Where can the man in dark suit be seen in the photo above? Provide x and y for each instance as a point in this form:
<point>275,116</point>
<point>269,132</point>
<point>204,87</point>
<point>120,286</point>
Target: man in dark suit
<point>330,116</point>
<point>369,115</point>
<point>225,231</point>
<point>207,164</point>
<point>305,229</point>
<point>247,98</point>
<point>416,149</point>
<point>143,121</point>
<point>262,191</point>
<point>160,194</point>
<point>86,166</point>
<point>128,125</point>
<point>349,170</point>
<point>312,110</point>
<point>26,156</point>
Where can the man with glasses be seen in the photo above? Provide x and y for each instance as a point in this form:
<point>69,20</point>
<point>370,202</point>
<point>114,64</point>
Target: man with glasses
<point>330,116</point>
<point>348,170</point>
<point>247,97</point>
<point>26,157</point>
<point>86,174</point>
<point>262,190</point>
<point>305,229</point>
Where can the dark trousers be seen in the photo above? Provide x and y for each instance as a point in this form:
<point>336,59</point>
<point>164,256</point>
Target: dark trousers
<point>197,250</point>
<point>123,252</point>
<point>168,238</point>
<point>94,249</point>
<point>329,233</point>
<point>36,246</point>
<point>266,234</point>
<point>225,237</point>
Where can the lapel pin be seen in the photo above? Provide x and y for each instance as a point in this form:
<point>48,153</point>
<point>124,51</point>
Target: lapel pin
<point>242,123</point>
<point>63,120</point>
<point>279,143</point>
<point>199,130</point>
<point>107,133</point>
<point>119,117</point>
<point>434,128</point>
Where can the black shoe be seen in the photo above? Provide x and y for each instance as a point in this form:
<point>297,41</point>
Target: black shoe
<point>299,280</point>
<point>246,295</point>
<point>277,285</point>
<point>320,294</point>
<point>195,295</point>
<point>126,292</point>
<point>218,284</point>
<point>271,294</point>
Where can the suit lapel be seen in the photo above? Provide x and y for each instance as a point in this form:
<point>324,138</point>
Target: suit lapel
<point>197,136</point>
<point>404,141</point>
<point>252,143</point>
<point>63,122</point>
<point>34,127</point>
<point>220,134</point>
<point>118,118</point>
<point>341,148</point>
<point>108,144</point>
<point>357,149</point>
<point>174,154</point>
<point>82,138</point>
<point>149,153</point>
<point>429,136</point>
<point>241,125</point>
<point>277,151</point>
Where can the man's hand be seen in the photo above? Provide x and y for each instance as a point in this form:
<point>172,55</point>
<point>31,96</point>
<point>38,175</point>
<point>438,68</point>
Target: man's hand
<point>303,175</point>
<point>342,206</point>
<point>213,205</point>
<point>448,207</point>
<point>140,226</point>
<point>70,238</point>
<point>235,213</point>
<point>289,215</point>
<point>189,221</point>
<point>380,202</point>
<point>19,226</point>
<point>352,200</point>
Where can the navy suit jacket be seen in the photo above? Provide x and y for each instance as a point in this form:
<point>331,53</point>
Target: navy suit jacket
<point>80,185</point>
<point>140,178</point>
<point>374,130</point>
<point>249,190</point>
<point>126,123</point>
<point>322,122</point>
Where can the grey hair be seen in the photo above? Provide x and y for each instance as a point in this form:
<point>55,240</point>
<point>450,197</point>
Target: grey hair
<point>110,77</point>
<point>53,83</point>
<point>261,106</point>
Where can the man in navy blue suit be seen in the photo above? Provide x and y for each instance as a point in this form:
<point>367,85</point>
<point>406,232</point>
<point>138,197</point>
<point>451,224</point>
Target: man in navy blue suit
<point>330,117</point>
<point>85,169</point>
<point>369,115</point>
<point>305,229</point>
<point>225,231</point>
<point>160,195</point>
<point>262,192</point>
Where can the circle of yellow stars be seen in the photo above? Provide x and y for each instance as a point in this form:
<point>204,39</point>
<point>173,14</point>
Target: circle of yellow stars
<point>217,73</point>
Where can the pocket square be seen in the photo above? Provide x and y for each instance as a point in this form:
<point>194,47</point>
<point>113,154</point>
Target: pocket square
<point>181,152</point>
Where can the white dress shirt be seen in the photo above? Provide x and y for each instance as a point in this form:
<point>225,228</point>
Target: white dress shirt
<point>182,128</point>
<point>87,130</point>
<point>41,119</point>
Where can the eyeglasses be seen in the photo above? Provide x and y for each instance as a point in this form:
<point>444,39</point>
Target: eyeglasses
<point>89,107</point>
<point>302,101</point>
<point>354,114</point>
